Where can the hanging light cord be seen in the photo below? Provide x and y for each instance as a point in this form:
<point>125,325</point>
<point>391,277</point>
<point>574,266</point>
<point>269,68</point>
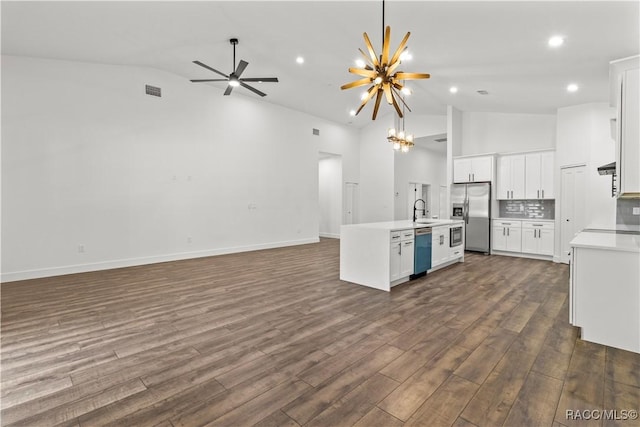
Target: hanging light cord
<point>383,22</point>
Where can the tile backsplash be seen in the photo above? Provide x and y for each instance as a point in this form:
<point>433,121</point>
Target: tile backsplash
<point>625,219</point>
<point>524,209</point>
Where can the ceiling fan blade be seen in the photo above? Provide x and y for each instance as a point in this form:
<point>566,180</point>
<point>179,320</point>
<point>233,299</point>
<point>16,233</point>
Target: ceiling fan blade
<point>260,79</point>
<point>228,91</point>
<point>395,105</point>
<point>366,99</point>
<point>372,53</point>
<point>401,99</point>
<point>400,49</point>
<point>363,72</point>
<point>209,68</point>
<point>387,93</point>
<point>375,108</point>
<point>366,58</point>
<point>393,67</point>
<point>411,76</point>
<point>356,83</point>
<point>241,66</point>
<point>252,89</point>
<point>209,80</point>
<point>385,46</point>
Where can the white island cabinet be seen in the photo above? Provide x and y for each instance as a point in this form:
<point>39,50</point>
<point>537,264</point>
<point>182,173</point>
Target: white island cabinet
<point>381,254</point>
<point>604,293</point>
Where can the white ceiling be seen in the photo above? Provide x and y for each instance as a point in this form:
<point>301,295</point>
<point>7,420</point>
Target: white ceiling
<point>500,47</point>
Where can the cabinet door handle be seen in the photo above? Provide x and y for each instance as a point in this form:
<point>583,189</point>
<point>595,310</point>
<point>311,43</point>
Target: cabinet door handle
<point>507,231</point>
<point>538,194</point>
<point>400,251</point>
<point>504,231</point>
<point>473,176</point>
<point>469,177</point>
<point>543,194</point>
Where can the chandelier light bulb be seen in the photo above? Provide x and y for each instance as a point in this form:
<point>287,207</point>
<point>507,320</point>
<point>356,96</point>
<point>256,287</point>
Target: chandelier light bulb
<point>391,132</point>
<point>401,134</point>
<point>396,145</point>
<point>406,91</point>
<point>405,149</point>
<point>360,63</point>
<point>378,80</point>
<point>410,137</point>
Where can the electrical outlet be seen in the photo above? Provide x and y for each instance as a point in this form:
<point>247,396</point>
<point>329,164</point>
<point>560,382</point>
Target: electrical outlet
<point>81,249</point>
<point>636,211</point>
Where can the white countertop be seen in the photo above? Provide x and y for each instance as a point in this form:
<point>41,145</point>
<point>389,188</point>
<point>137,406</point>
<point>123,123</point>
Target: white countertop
<point>405,224</point>
<point>524,219</point>
<point>607,241</point>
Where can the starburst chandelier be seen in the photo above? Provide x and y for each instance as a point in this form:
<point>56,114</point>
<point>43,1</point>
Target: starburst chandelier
<point>380,71</point>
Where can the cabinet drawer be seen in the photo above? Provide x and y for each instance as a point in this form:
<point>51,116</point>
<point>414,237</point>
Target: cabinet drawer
<point>534,224</point>
<point>407,235</point>
<point>455,253</point>
<point>510,224</point>
<point>395,236</point>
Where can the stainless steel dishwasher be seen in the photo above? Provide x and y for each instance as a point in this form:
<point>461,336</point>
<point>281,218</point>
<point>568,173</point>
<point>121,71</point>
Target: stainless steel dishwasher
<point>422,254</point>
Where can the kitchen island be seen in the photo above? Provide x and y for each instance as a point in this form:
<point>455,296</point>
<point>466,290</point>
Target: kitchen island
<point>381,255</point>
<point>604,294</point>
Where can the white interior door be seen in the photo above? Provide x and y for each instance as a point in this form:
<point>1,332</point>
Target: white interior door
<point>351,203</point>
<point>572,205</point>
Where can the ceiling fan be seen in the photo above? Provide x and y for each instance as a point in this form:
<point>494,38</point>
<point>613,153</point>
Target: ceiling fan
<point>234,78</point>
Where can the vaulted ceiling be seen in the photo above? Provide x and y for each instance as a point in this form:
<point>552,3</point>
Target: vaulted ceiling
<point>500,47</point>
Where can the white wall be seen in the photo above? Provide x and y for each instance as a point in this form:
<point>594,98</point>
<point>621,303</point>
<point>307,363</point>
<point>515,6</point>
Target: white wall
<point>89,160</point>
<point>377,163</point>
<point>503,132</point>
<point>330,196</point>
<point>423,166</point>
<point>584,137</point>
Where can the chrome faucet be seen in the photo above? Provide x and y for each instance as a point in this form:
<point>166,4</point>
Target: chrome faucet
<point>424,208</point>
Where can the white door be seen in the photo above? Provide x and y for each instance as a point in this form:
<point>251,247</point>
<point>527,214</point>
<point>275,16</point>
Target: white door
<point>572,196</point>
<point>351,203</point>
<point>547,168</point>
<point>482,169</point>
<point>545,241</point>
<point>514,239</point>
<point>394,261</point>
<point>530,240</point>
<point>461,170</point>
<point>406,260</point>
<point>517,177</point>
<point>499,240</point>
<point>532,180</point>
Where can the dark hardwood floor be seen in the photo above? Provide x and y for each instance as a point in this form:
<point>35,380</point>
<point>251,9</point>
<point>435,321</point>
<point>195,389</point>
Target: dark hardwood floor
<point>274,338</point>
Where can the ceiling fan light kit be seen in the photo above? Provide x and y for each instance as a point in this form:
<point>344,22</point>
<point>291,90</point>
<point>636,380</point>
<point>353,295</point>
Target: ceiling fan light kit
<point>234,79</point>
<point>381,72</point>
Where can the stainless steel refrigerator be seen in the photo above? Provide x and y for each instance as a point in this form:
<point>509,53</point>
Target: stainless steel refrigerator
<point>472,203</point>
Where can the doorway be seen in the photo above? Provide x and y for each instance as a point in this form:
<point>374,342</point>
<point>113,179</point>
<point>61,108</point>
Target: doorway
<point>415,192</point>
<point>572,204</point>
<point>351,203</point>
<point>329,195</point>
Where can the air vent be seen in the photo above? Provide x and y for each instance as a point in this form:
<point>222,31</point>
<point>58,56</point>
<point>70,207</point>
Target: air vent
<point>483,92</point>
<point>316,131</point>
<point>152,90</point>
<point>441,140</point>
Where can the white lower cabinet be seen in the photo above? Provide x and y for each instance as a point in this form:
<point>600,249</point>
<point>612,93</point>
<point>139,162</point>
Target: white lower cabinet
<point>406,258</point>
<point>439,246</point>
<point>507,235</point>
<point>401,254</point>
<point>537,237</point>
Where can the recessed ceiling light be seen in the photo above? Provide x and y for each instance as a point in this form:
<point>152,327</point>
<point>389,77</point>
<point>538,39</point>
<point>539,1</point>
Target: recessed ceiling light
<point>556,41</point>
<point>300,60</point>
<point>406,56</point>
<point>352,113</point>
<point>572,87</point>
<point>453,89</point>
<point>360,63</point>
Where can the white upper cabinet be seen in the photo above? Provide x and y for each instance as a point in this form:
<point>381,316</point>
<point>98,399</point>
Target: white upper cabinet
<point>473,169</point>
<point>628,141</point>
<point>511,177</point>
<point>539,173</point>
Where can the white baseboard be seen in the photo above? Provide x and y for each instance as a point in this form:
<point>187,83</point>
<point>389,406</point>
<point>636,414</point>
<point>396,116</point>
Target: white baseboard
<point>330,235</point>
<point>523,255</point>
<point>130,262</point>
